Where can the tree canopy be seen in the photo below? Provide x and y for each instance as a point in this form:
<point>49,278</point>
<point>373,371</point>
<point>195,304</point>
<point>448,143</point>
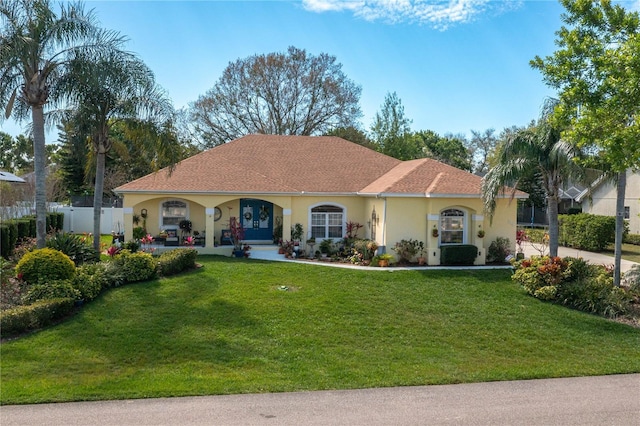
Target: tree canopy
<point>292,93</point>
<point>36,45</point>
<point>391,130</point>
<point>596,70</point>
<point>534,153</point>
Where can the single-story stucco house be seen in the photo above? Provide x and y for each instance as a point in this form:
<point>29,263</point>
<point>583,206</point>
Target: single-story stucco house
<point>601,198</point>
<point>322,183</point>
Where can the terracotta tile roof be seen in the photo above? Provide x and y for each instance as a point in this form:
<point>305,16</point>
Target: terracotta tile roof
<point>272,164</point>
<point>426,177</point>
<point>258,164</point>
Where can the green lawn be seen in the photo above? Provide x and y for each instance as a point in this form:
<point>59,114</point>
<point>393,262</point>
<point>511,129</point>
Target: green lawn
<point>629,252</point>
<point>230,327</point>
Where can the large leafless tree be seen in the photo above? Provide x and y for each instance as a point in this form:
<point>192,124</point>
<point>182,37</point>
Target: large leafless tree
<point>292,93</point>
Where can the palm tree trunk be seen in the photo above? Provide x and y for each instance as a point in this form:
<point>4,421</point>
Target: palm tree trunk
<point>97,197</point>
<point>621,190</point>
<point>39,167</point>
<point>552,205</point>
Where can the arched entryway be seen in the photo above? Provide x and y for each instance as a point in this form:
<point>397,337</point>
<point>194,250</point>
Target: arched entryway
<point>257,219</point>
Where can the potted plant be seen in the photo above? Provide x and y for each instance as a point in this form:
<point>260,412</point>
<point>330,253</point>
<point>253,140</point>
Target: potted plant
<point>384,259</point>
<point>434,232</point>
<point>326,247</point>
<point>237,235</point>
<point>297,232</point>
<point>480,232</point>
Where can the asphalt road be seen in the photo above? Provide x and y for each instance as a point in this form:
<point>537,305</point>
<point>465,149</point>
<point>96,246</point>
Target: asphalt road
<point>601,400</point>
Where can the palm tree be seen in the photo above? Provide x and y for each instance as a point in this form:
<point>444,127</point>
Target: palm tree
<point>104,90</point>
<point>541,151</point>
<point>35,46</point>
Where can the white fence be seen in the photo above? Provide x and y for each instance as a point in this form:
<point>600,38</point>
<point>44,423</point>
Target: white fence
<point>80,219</point>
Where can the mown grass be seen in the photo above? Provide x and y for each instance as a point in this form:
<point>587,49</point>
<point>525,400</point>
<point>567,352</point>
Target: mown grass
<point>630,252</point>
<point>231,327</point>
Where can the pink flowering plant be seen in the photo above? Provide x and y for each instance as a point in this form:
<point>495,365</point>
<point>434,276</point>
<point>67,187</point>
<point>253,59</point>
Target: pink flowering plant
<point>521,237</point>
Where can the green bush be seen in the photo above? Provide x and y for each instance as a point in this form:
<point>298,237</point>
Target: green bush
<point>59,289</point>
<point>30,317</point>
<point>574,283</point>
<point>77,247</point>
<point>133,246</point>
<point>134,267</point>
<point>90,280</point>
<point>596,295</point>
<point>587,231</point>
<point>8,239</point>
<point>138,233</point>
<point>632,239</point>
<point>45,265</point>
<point>23,226</point>
<point>632,279</point>
<point>459,254</point>
<point>406,250</point>
<point>498,250</point>
<point>175,261</point>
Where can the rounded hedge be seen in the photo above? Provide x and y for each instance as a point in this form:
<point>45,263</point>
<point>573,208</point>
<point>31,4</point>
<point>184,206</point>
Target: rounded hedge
<point>45,265</point>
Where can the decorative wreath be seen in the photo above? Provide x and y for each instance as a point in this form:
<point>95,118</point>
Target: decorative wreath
<point>248,215</point>
<point>264,213</point>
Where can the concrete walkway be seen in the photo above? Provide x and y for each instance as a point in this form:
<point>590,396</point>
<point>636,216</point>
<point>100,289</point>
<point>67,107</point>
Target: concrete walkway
<point>602,400</point>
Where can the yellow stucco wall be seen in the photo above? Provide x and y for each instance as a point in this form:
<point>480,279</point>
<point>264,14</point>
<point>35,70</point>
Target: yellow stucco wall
<point>397,217</point>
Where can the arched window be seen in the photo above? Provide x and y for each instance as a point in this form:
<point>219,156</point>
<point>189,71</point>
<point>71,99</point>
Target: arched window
<point>452,226</point>
<point>327,222</point>
<point>173,211</point>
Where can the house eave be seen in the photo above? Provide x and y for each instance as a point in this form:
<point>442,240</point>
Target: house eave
<point>244,193</point>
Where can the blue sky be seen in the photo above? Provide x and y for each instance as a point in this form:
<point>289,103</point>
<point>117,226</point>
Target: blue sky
<point>456,65</point>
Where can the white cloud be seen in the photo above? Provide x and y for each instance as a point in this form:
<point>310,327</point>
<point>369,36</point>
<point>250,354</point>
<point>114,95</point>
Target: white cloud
<point>438,13</point>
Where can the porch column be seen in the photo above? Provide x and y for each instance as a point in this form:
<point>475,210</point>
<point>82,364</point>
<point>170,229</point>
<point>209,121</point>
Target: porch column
<point>477,224</point>
<point>433,251</point>
<point>286,224</point>
<point>210,231</point>
<point>127,213</point>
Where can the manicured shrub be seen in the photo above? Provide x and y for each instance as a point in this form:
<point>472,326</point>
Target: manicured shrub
<point>587,231</point>
<point>459,254</point>
<point>90,280</point>
<point>134,267</point>
<point>30,317</point>
<point>132,246</point>
<point>58,289</point>
<point>77,247</point>
<point>498,250</point>
<point>175,261</point>
<point>23,227</point>
<point>8,238</point>
<point>632,239</point>
<point>574,283</point>
<point>45,265</point>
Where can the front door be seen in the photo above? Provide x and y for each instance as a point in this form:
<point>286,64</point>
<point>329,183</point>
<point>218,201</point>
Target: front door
<point>257,219</point>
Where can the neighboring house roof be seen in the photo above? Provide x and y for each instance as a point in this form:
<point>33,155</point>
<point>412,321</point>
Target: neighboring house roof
<point>10,177</point>
<point>275,164</point>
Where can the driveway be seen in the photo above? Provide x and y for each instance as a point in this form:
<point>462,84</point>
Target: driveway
<point>602,400</point>
<point>594,258</point>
